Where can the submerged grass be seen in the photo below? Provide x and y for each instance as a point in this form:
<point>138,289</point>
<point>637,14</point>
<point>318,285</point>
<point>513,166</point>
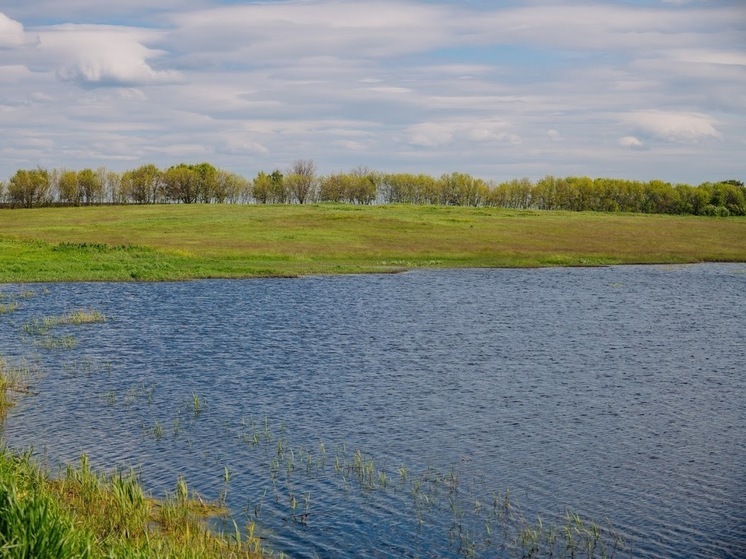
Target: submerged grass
<point>83,514</point>
<point>8,307</point>
<point>481,524</point>
<point>175,242</point>
<point>14,378</point>
<point>41,326</point>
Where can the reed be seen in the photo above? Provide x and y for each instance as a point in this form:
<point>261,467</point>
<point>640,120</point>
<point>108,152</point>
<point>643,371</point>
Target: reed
<point>196,404</point>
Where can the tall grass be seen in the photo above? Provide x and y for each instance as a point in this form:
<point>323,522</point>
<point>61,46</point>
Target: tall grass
<point>83,514</point>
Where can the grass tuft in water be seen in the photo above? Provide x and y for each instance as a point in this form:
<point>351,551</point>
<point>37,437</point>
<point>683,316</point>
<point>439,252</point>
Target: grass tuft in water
<point>14,378</point>
<point>6,308</point>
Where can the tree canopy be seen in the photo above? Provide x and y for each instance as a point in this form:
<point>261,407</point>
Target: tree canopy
<point>187,183</point>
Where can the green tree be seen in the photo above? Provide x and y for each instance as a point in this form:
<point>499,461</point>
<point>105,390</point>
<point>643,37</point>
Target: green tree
<point>262,187</point>
<point>67,187</point>
<point>515,194</point>
<point>230,187</point>
<point>29,188</point>
<point>143,185</point>
<point>334,188</point>
<point>730,196</point>
<point>660,198</point>
<point>207,182</point>
<point>182,183</point>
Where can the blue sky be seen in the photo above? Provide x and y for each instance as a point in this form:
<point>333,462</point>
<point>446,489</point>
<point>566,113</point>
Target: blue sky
<point>632,89</point>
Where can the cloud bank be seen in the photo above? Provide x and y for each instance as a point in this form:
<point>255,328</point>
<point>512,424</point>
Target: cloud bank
<point>500,90</point>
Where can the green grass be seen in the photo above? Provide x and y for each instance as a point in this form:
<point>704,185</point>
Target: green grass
<point>82,514</point>
<point>175,242</point>
<point>14,378</point>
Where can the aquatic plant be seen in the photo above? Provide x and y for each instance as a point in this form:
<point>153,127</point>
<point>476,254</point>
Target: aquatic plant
<point>40,326</point>
<point>56,342</point>
<point>6,308</point>
<point>14,377</point>
<point>481,525</point>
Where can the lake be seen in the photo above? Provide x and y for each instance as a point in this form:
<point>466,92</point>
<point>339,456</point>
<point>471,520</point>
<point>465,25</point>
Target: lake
<point>392,415</point>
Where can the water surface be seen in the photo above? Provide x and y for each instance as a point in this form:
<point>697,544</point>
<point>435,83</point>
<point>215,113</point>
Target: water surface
<point>614,392</point>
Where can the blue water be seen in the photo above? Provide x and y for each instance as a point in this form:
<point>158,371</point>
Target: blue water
<point>618,393</point>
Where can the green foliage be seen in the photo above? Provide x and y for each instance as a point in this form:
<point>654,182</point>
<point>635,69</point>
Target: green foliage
<point>29,188</point>
<point>33,525</point>
<point>88,515</point>
<point>143,185</point>
<point>182,183</point>
<point>203,183</point>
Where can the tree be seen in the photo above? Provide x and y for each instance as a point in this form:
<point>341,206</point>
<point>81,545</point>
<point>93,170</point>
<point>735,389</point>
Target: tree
<point>112,182</point>
<point>29,188</point>
<point>301,180</point>
<point>262,187</point>
<point>67,187</point>
<point>90,187</point>
<point>230,187</point>
<point>181,183</point>
<point>730,196</point>
<point>207,181</point>
<point>733,182</point>
<point>143,185</point>
<point>334,188</point>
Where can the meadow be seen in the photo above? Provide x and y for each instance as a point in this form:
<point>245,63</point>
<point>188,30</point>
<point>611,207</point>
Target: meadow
<point>179,242</point>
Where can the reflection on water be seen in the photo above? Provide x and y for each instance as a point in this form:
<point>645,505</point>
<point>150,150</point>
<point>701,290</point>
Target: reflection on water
<point>614,392</point>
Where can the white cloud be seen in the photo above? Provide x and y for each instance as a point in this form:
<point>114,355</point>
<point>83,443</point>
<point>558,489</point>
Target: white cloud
<point>631,142</point>
<point>103,55</point>
<point>12,34</point>
<point>437,134</point>
<point>674,127</point>
<point>395,84</point>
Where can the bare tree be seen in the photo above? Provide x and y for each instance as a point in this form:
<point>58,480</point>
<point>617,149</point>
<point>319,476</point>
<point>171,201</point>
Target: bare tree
<point>301,180</point>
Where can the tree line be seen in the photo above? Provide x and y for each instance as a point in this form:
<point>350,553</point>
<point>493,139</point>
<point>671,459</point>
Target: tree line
<point>300,184</point>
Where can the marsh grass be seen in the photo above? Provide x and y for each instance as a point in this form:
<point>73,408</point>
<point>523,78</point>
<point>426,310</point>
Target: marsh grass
<point>41,326</point>
<point>6,308</point>
<point>56,342</point>
<point>14,378</point>
<point>480,524</point>
<point>83,514</point>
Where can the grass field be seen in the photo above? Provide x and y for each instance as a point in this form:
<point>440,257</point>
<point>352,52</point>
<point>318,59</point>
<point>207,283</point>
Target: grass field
<point>172,242</point>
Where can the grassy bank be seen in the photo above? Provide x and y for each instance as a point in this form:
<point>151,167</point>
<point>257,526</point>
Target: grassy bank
<point>183,241</point>
<point>82,514</point>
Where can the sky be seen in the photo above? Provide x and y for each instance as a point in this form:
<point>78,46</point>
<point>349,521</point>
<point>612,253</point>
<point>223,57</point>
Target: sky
<point>498,89</point>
